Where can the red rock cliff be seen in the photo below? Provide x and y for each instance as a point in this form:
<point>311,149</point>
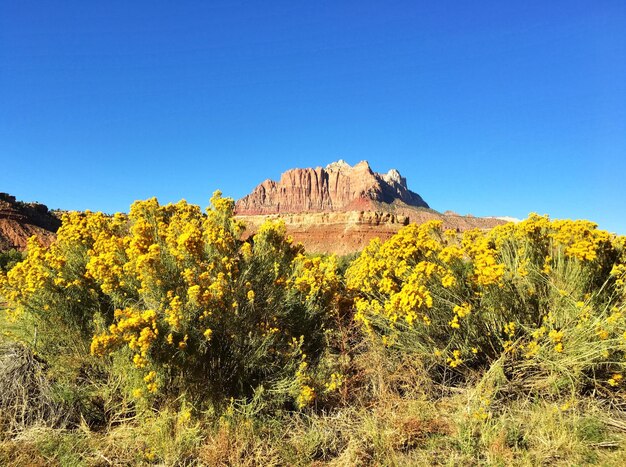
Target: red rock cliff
<point>19,221</point>
<point>337,187</point>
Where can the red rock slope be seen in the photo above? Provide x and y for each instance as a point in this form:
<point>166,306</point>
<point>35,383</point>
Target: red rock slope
<point>19,221</point>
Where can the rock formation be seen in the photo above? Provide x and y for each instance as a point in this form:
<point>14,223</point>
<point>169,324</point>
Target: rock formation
<point>19,221</point>
<point>340,209</point>
<point>337,187</point>
<point>347,232</point>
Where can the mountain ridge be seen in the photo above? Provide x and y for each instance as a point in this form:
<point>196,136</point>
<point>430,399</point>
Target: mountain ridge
<point>341,208</point>
<point>336,187</point>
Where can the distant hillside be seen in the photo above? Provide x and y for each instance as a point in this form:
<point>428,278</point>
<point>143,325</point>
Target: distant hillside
<point>19,221</point>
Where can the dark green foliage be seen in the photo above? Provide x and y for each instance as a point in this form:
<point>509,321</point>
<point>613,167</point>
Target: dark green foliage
<point>10,258</point>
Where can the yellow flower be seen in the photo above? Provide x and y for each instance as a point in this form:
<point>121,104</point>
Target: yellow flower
<point>455,322</point>
<point>481,414</point>
<point>509,328</point>
<point>305,397</point>
<point>615,379</point>
<point>336,381</point>
<point>463,310</point>
<point>532,349</point>
<point>448,280</point>
<point>555,335</point>
<point>455,360</point>
<point>547,268</point>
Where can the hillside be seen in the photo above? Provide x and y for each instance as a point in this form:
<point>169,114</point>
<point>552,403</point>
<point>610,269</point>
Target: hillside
<point>19,221</point>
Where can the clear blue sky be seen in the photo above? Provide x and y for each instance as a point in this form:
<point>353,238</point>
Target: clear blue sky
<point>489,108</point>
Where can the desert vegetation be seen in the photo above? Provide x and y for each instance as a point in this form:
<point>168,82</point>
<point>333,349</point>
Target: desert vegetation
<point>164,337</point>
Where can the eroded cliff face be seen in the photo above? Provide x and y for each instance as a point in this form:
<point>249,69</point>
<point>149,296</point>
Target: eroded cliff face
<point>19,221</point>
<point>337,187</point>
<point>340,209</point>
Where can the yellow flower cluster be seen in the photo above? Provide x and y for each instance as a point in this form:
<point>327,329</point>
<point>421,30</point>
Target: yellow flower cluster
<point>581,239</point>
<point>482,413</point>
<point>455,360</point>
<point>150,380</point>
<point>137,328</point>
<point>393,278</point>
<point>54,278</point>
<point>616,379</point>
<point>316,276</point>
<point>619,273</point>
<point>336,381</point>
<point>519,282</point>
<point>481,250</point>
<point>163,245</point>
<point>306,394</point>
<point>557,338</point>
<point>460,312</point>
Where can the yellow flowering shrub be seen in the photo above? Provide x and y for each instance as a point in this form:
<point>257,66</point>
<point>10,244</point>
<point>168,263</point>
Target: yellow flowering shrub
<point>51,285</point>
<point>536,290</point>
<point>180,295</point>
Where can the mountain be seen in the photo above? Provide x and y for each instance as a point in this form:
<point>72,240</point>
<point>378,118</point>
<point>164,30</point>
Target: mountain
<point>19,221</point>
<point>340,208</point>
<point>337,187</point>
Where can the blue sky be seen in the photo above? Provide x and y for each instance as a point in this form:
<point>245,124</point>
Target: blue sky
<point>488,108</point>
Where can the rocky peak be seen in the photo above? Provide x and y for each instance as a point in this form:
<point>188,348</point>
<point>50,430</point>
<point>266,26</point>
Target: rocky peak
<point>394,177</point>
<point>338,166</point>
<point>337,187</point>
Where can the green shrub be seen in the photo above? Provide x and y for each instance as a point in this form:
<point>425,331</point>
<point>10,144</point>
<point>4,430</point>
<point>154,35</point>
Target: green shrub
<point>10,258</point>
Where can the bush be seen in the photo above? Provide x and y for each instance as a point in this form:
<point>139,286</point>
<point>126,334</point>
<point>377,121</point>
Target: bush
<point>181,296</point>
<point>547,296</point>
<point>50,287</point>
<point>487,347</point>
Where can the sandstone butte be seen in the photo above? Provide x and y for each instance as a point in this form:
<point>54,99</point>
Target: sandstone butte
<point>340,209</point>
<point>19,221</point>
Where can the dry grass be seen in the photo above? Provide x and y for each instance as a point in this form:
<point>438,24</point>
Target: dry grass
<point>394,431</point>
<point>26,396</point>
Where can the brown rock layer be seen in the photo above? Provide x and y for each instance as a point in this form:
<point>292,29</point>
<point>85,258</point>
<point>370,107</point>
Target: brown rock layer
<point>19,221</point>
<point>347,232</point>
